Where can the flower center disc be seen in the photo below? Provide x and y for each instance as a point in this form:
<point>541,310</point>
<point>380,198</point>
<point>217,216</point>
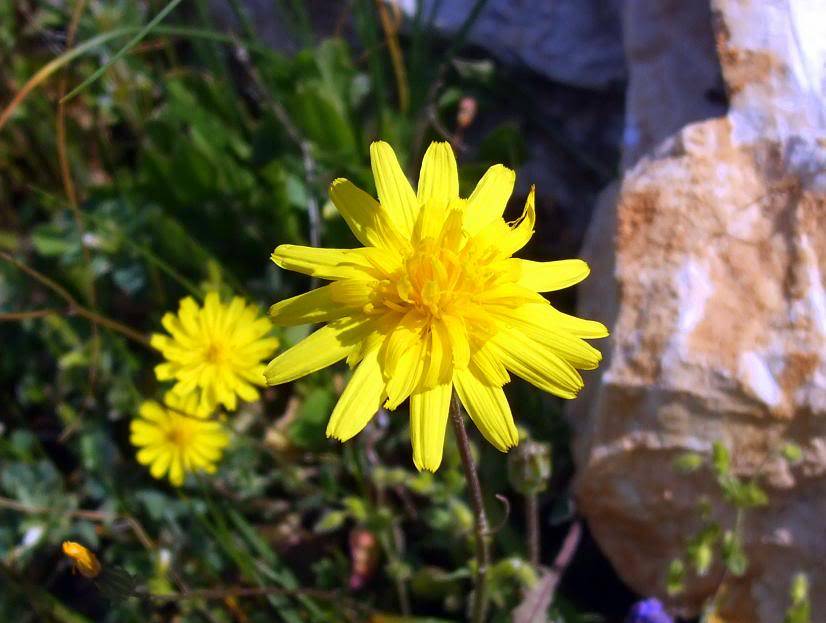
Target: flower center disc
<point>214,353</point>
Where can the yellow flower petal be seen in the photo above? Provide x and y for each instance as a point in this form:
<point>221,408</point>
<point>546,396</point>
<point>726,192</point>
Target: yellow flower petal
<point>537,323</point>
<point>428,420</point>
<point>580,327</point>
<point>176,470</point>
<point>359,401</point>
<point>143,433</point>
<point>439,177</point>
<point>147,455</point>
<point>323,304</point>
<point>352,293</point>
<point>521,230</point>
<point>395,193</point>
<point>152,411</point>
<point>402,359</point>
<point>324,263</point>
<point>485,366</point>
<point>367,219</point>
<point>457,334</point>
<point>161,464</point>
<point>329,344</point>
<point>537,364</point>
<point>438,358</point>
<point>550,276</point>
<point>188,312</point>
<point>489,198</point>
<point>488,407</point>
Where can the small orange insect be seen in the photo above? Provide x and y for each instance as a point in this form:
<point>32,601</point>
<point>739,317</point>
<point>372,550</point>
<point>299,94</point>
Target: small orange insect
<point>83,560</point>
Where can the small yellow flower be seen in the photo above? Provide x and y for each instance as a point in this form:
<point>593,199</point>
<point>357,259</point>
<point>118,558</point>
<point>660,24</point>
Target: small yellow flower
<point>176,438</point>
<point>432,302</point>
<point>216,350</point>
<point>83,560</point>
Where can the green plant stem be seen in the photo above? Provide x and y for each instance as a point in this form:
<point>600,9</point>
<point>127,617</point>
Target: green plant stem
<point>387,539</point>
<point>532,527</point>
<point>480,593</point>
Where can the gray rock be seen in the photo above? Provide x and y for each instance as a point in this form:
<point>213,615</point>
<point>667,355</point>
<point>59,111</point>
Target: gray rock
<point>709,263</point>
<point>577,42</point>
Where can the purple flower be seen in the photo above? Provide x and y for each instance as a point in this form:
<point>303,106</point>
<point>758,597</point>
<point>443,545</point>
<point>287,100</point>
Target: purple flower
<point>649,611</point>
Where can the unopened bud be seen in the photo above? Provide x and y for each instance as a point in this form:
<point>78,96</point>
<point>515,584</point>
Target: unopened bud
<point>529,467</point>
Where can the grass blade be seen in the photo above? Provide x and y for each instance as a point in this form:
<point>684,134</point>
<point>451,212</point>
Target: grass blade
<point>132,43</point>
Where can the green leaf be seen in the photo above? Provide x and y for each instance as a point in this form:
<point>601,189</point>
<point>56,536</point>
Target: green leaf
<point>675,577</point>
<point>800,609</point>
<point>335,67</point>
<point>743,494</point>
<point>330,522</point>
<point>688,462</point>
<point>319,116</point>
<point>307,430</point>
<point>480,71</point>
<point>720,459</point>
<point>701,549</point>
<point>51,240</point>
<point>357,508</point>
<point>733,555</point>
<point>792,452</point>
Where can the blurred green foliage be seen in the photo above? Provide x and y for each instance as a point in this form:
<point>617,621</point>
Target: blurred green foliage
<point>718,544</point>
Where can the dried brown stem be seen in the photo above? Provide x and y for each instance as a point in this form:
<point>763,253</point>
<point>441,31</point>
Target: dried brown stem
<point>480,593</point>
<point>74,307</point>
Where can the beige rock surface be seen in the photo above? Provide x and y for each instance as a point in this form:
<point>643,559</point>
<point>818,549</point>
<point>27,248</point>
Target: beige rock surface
<point>709,263</point>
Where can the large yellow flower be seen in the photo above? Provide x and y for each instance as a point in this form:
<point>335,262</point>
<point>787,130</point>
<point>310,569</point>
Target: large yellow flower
<point>177,438</point>
<point>216,351</point>
<point>432,302</point>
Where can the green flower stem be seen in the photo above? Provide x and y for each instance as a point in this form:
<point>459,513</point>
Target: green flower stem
<point>532,527</point>
<point>480,593</point>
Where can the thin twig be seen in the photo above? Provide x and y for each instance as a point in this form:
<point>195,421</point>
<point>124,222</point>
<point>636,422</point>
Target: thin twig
<point>75,308</point>
<point>549,581</point>
<point>25,315</point>
<point>480,593</point>
<point>568,549</point>
<point>506,507</point>
<point>96,516</point>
